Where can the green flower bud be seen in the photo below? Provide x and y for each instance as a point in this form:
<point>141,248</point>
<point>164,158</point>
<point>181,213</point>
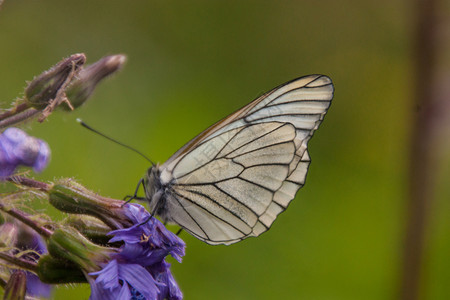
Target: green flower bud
<point>84,85</point>
<point>16,287</point>
<point>56,271</point>
<point>68,244</point>
<point>45,87</point>
<point>73,198</point>
<point>92,228</point>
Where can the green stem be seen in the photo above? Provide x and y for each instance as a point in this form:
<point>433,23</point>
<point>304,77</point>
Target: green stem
<point>24,218</point>
<point>19,262</point>
<point>29,183</point>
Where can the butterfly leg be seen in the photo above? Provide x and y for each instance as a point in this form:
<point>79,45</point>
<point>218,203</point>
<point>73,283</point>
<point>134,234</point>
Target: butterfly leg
<point>146,220</point>
<point>129,198</point>
<point>179,231</point>
<point>151,214</point>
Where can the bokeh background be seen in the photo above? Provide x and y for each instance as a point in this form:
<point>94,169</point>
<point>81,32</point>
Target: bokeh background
<point>191,63</point>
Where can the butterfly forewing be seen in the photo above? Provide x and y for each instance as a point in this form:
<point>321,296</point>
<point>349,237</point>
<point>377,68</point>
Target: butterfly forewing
<point>232,180</point>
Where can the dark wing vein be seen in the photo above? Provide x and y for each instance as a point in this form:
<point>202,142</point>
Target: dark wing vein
<point>209,212</point>
<point>201,228</point>
<point>200,144</point>
<point>261,136</point>
<point>214,201</point>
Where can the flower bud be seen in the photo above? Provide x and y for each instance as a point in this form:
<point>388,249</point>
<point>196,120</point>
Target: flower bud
<point>92,228</point>
<point>16,287</point>
<point>73,198</point>
<point>45,87</point>
<point>18,148</point>
<point>84,85</point>
<point>56,271</point>
<point>68,244</point>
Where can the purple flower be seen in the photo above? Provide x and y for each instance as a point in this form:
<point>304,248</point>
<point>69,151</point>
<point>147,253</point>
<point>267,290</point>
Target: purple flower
<point>25,240</point>
<point>35,287</point>
<point>166,283</point>
<point>116,280</point>
<point>18,148</point>
<point>138,270</point>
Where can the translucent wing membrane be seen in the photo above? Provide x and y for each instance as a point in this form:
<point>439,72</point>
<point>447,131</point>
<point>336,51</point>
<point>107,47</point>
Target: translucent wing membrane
<point>231,181</point>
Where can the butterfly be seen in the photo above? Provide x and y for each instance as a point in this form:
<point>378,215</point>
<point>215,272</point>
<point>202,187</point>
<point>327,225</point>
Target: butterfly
<point>232,180</point>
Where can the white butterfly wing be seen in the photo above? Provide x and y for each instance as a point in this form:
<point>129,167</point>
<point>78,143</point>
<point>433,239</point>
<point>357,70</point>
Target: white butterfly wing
<point>231,181</point>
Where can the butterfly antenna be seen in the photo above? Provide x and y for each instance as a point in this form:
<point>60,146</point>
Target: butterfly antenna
<point>113,140</point>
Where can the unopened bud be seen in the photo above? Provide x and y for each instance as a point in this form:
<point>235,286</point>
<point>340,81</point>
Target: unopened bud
<point>92,228</point>
<point>84,85</point>
<point>16,287</point>
<point>56,271</point>
<point>73,198</point>
<point>68,244</point>
<point>45,87</point>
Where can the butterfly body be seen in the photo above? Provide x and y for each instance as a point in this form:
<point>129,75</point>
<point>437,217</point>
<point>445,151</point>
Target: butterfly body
<point>232,180</point>
<point>155,191</point>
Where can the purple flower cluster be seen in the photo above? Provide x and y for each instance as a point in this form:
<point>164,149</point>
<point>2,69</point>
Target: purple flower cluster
<point>18,148</point>
<point>139,269</point>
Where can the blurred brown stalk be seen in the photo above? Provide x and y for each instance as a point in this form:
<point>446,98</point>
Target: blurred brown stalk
<point>430,123</point>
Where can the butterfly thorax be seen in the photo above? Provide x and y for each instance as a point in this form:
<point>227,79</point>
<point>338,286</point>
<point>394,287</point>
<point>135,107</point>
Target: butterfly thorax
<point>155,192</point>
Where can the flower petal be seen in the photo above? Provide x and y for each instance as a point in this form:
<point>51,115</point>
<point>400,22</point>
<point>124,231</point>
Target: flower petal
<point>115,276</point>
<point>17,148</point>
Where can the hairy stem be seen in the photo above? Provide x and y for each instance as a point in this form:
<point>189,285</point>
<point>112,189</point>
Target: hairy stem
<point>19,262</point>
<point>14,111</point>
<point>29,182</point>
<point>24,218</point>
<point>19,117</point>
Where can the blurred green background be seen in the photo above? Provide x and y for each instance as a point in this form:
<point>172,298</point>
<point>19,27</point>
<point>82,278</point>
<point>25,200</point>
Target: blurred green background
<point>191,63</point>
